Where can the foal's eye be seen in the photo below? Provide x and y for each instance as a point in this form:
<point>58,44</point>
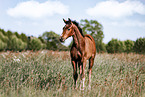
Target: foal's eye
<point>68,29</point>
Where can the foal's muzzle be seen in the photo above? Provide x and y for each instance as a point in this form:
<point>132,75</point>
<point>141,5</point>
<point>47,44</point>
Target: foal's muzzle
<point>62,39</point>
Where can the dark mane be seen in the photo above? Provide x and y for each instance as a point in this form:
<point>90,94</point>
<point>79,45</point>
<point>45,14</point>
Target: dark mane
<point>80,29</point>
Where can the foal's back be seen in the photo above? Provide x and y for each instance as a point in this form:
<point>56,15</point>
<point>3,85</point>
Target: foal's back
<point>90,48</point>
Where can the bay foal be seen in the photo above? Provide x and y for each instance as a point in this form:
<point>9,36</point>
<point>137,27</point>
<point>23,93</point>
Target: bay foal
<point>83,49</point>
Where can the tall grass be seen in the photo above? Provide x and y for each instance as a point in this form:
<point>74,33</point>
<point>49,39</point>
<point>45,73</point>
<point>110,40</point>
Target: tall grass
<point>49,73</point>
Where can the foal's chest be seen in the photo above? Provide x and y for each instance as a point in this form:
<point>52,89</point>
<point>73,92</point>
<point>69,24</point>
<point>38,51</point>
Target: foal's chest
<point>75,54</point>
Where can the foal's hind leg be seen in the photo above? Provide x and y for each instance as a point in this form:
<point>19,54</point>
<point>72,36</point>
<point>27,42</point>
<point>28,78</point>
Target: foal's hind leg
<point>75,75</point>
<point>91,62</point>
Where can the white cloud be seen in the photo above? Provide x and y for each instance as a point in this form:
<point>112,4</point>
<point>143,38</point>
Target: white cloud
<point>115,9</point>
<point>129,23</point>
<point>34,9</point>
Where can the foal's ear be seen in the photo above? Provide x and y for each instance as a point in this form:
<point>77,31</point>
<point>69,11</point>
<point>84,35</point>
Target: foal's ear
<point>69,20</point>
<point>64,20</point>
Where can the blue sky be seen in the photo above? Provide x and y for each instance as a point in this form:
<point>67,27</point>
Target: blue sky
<point>121,19</point>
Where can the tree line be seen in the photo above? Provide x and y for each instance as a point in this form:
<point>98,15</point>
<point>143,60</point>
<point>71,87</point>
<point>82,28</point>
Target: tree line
<point>50,40</point>
<point>127,46</point>
<point>13,41</point>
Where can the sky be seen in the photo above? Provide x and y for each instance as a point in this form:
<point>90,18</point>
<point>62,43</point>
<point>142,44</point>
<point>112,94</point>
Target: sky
<point>121,19</point>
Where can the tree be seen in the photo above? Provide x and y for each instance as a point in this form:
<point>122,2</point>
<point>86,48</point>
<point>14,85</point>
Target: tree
<point>115,46</point>
<point>129,46</point>
<point>95,29</point>
<point>34,44</point>
<point>9,33</point>
<point>17,34</point>
<point>42,40</point>
<point>50,36</point>
<point>2,45</point>
<point>24,37</point>
<point>52,41</point>
<point>17,44</point>
<point>3,31</point>
<point>3,41</point>
<point>139,45</point>
<point>3,38</point>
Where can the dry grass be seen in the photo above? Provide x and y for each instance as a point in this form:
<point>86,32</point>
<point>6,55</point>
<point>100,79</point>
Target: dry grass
<point>49,73</point>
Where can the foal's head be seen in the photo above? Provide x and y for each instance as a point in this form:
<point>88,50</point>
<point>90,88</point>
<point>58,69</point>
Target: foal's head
<point>67,30</point>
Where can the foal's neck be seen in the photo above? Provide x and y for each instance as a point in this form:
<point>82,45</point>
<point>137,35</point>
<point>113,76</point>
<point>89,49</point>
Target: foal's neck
<point>78,38</point>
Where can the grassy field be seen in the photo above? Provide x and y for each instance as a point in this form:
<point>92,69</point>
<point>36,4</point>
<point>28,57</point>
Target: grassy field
<point>48,73</point>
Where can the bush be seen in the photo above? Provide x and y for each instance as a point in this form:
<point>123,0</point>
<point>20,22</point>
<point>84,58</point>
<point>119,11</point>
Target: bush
<point>115,46</point>
<point>139,45</point>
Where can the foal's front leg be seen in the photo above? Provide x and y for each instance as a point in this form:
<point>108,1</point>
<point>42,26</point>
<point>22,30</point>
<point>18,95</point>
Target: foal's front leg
<point>82,74</point>
<point>75,75</point>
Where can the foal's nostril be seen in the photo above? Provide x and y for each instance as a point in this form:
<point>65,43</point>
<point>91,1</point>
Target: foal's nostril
<point>61,39</point>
